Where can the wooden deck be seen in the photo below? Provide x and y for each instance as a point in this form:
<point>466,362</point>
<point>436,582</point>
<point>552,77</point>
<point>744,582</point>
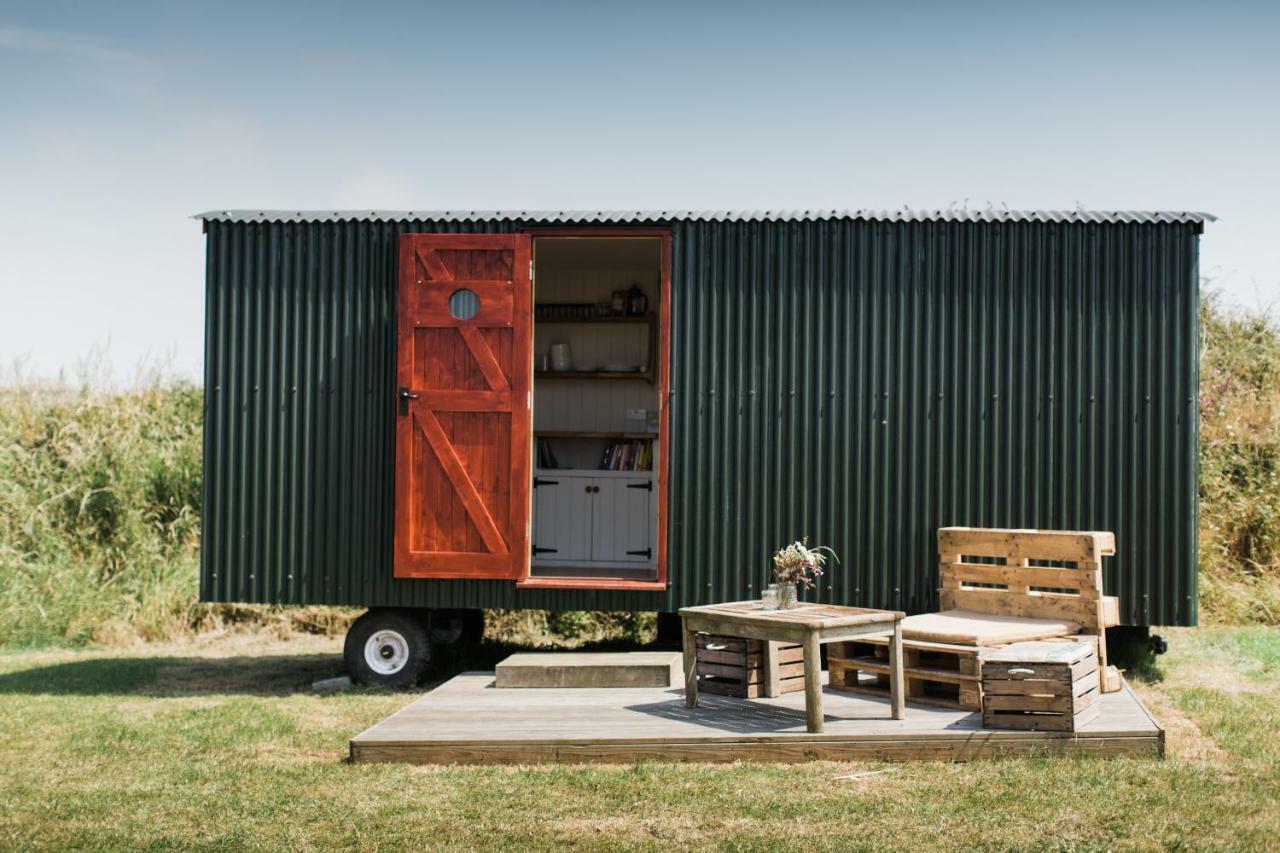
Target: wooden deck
<point>467,720</point>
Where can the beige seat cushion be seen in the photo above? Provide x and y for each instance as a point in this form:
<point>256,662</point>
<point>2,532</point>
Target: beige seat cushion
<point>966,628</point>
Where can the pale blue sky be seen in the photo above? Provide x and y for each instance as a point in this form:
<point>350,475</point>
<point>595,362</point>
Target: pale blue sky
<point>119,120</point>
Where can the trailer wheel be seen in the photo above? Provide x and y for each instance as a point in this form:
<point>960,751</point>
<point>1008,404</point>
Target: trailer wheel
<point>389,648</point>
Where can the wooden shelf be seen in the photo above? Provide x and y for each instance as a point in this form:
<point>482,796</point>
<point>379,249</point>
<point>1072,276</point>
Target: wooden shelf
<point>645,474</point>
<point>569,433</point>
<point>594,374</point>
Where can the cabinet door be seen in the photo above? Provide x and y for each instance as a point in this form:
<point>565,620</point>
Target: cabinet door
<point>562,518</point>
<point>621,521</point>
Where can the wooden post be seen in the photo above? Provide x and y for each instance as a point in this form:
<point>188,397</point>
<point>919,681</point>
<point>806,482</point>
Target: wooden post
<point>812,681</point>
<point>772,682</point>
<point>690,665</point>
<point>897,681</point>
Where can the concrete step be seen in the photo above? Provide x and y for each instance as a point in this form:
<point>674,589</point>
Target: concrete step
<point>590,669</point>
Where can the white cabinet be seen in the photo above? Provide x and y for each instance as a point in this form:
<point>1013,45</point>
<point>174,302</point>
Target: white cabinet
<point>620,528</point>
<point>600,519</point>
<point>561,518</point>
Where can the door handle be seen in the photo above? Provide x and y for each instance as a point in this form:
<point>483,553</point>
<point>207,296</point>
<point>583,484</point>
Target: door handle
<point>405,396</point>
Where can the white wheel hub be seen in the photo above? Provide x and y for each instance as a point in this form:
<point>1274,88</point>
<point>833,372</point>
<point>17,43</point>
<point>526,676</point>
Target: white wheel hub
<point>386,652</point>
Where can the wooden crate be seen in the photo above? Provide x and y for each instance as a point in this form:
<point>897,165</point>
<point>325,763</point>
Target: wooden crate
<point>733,666</point>
<point>1041,686</point>
<point>935,673</point>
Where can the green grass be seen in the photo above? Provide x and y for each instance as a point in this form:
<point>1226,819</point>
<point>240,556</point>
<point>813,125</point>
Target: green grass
<point>220,744</point>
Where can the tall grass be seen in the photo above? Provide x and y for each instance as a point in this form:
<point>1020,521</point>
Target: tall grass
<point>100,505</point>
<point>99,512</point>
<point>1239,465</point>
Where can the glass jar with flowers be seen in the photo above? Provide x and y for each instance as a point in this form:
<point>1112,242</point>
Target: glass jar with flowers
<point>797,564</point>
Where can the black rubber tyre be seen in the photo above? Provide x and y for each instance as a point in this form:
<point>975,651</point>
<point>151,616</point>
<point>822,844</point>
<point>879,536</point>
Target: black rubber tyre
<point>389,648</point>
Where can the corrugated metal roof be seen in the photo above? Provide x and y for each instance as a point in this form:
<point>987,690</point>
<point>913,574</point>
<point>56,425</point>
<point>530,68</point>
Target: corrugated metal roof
<point>619,216</point>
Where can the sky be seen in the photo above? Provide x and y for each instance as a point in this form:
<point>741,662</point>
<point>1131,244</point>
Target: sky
<point>120,120</point>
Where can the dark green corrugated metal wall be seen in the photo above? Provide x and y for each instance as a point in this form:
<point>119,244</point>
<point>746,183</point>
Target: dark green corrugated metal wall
<point>863,382</point>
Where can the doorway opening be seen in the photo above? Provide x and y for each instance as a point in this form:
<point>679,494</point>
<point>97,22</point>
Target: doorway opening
<point>600,374</point>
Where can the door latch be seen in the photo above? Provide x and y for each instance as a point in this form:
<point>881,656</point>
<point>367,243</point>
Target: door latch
<point>405,396</point>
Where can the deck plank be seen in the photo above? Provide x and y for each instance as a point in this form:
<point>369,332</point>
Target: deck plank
<point>467,720</point>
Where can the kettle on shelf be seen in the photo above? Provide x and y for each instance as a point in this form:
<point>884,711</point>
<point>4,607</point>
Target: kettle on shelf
<point>637,301</point>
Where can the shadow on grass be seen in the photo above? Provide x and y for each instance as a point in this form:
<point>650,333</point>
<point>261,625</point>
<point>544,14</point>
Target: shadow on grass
<point>251,675</point>
<point>254,675</point>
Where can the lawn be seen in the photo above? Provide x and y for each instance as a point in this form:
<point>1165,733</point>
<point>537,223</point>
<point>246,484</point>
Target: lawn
<point>220,743</point>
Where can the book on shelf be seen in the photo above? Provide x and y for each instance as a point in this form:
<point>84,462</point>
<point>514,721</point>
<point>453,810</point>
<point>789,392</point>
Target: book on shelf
<point>632,455</point>
<point>546,458</point>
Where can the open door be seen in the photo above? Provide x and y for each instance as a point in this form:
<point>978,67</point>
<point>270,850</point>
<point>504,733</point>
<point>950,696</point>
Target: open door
<point>463,448</point>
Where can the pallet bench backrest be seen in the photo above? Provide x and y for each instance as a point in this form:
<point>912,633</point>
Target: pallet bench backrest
<point>1050,574</point>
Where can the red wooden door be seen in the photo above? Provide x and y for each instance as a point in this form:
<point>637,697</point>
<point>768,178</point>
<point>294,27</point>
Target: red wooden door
<point>463,418</point>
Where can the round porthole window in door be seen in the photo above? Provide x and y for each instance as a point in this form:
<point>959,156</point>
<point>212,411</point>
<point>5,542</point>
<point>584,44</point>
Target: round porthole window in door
<point>463,304</point>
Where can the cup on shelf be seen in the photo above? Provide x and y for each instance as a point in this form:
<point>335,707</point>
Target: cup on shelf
<point>561,358</point>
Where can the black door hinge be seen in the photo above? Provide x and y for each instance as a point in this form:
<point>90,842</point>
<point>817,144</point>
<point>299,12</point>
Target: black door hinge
<point>540,482</point>
<point>647,553</point>
<point>647,485</point>
<point>537,550</point>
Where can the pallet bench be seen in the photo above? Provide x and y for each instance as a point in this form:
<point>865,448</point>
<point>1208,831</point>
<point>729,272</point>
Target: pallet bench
<point>935,673</point>
<point>998,587</point>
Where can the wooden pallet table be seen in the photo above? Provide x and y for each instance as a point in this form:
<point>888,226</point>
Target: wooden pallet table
<point>810,625</point>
